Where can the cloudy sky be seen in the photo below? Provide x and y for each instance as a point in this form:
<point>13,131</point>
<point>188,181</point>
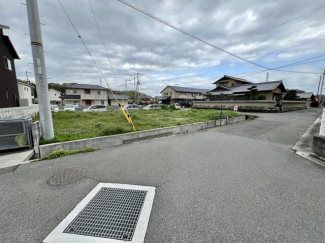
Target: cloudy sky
<point>137,43</point>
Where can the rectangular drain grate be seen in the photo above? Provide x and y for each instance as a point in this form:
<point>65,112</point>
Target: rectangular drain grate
<point>112,213</point>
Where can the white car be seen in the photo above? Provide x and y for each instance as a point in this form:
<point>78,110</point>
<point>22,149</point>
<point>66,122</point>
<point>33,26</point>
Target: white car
<point>152,107</point>
<point>177,106</point>
<point>54,108</point>
<point>131,107</point>
<point>69,107</point>
<point>95,108</point>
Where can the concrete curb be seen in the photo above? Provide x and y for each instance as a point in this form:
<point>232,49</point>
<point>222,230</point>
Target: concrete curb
<point>13,167</point>
<point>120,139</point>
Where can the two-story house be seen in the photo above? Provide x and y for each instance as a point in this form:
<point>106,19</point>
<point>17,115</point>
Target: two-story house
<point>182,95</point>
<point>237,88</point>
<point>26,94</point>
<point>9,94</point>
<point>85,95</point>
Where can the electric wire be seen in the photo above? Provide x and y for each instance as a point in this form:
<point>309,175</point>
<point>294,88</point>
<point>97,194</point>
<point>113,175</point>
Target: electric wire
<point>128,118</point>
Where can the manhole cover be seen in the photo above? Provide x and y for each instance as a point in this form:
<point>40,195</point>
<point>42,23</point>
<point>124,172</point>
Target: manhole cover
<point>112,213</point>
<point>67,176</point>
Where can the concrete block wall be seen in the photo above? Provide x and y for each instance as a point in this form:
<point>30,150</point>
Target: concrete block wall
<point>19,112</point>
<point>115,140</point>
<point>318,147</point>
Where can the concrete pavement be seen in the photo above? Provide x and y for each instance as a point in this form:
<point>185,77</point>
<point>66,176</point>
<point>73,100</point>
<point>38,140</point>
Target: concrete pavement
<point>239,183</point>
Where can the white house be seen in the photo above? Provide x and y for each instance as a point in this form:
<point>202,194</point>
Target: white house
<point>54,97</point>
<point>26,94</point>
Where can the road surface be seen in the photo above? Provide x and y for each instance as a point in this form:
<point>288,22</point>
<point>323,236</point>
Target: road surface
<point>238,183</point>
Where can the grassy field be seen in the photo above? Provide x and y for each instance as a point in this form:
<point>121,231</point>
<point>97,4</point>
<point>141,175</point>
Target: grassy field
<point>78,125</point>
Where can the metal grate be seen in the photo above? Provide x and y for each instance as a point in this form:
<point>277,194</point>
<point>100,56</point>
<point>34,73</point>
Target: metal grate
<point>112,213</point>
<point>10,128</point>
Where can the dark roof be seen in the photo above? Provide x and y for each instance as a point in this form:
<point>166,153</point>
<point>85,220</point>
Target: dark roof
<point>234,78</point>
<point>8,42</point>
<point>187,90</point>
<point>163,97</point>
<point>220,88</point>
<point>305,95</point>
<point>70,97</point>
<point>145,97</point>
<point>265,86</point>
<point>4,27</point>
<point>119,97</point>
<point>84,86</point>
<point>297,90</point>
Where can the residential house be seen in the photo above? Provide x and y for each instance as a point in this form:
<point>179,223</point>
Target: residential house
<point>145,99</point>
<point>54,96</point>
<point>9,94</point>
<point>84,95</point>
<point>306,96</point>
<point>26,94</point>
<point>121,99</point>
<point>182,95</point>
<point>236,88</point>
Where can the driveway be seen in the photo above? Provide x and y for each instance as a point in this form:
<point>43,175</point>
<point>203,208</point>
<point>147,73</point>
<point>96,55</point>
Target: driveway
<point>238,183</point>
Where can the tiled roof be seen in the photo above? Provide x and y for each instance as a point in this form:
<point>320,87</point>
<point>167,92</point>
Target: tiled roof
<point>305,95</point>
<point>234,78</point>
<point>188,90</point>
<point>84,86</point>
<point>265,86</point>
<point>119,97</point>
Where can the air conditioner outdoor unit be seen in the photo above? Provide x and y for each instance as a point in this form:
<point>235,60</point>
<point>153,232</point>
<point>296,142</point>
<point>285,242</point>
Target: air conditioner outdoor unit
<point>16,133</point>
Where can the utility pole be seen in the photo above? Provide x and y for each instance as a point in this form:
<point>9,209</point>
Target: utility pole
<point>126,87</point>
<point>321,90</point>
<point>27,72</point>
<point>267,77</point>
<point>137,93</point>
<point>39,69</point>
<point>320,80</point>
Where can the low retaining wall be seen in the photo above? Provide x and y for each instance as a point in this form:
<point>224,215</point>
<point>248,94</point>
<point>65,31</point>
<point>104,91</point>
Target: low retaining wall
<point>290,105</point>
<point>114,140</point>
<point>318,147</point>
<point>19,112</point>
<point>243,105</point>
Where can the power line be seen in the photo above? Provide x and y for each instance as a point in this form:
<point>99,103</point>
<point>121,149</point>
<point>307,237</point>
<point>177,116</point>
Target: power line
<point>188,34</point>
<point>288,21</point>
<point>126,114</point>
<point>101,37</point>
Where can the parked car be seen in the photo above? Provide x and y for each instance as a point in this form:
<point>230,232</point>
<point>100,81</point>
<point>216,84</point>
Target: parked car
<point>131,107</point>
<point>152,107</point>
<point>77,107</point>
<point>54,108</point>
<point>95,108</point>
<point>69,107</point>
<point>177,106</point>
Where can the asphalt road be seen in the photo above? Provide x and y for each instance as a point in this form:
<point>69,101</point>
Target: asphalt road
<point>238,183</point>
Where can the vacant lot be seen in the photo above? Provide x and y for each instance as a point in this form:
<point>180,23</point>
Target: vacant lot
<point>78,125</point>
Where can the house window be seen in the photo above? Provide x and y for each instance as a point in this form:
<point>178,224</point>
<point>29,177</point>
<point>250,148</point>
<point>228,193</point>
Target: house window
<point>100,92</point>
<point>102,102</point>
<point>14,97</point>
<point>7,63</point>
<point>171,93</point>
<point>193,94</point>
<point>74,91</point>
<point>87,91</point>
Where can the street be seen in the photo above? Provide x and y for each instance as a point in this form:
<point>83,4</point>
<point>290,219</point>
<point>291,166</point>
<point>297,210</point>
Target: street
<point>237,183</point>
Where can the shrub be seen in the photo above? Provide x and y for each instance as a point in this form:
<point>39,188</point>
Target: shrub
<point>172,107</point>
<point>261,97</point>
<point>62,152</point>
<point>164,107</point>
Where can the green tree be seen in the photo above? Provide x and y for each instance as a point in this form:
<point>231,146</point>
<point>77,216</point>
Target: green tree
<point>253,91</point>
<point>290,95</point>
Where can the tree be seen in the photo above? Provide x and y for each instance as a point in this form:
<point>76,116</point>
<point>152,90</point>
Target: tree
<point>252,92</point>
<point>290,95</point>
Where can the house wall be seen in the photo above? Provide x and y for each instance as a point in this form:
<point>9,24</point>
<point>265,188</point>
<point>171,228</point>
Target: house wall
<point>92,96</point>
<point>25,92</point>
<point>54,97</point>
<point>114,103</point>
<point>181,95</point>
<point>9,94</point>
<point>252,103</point>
